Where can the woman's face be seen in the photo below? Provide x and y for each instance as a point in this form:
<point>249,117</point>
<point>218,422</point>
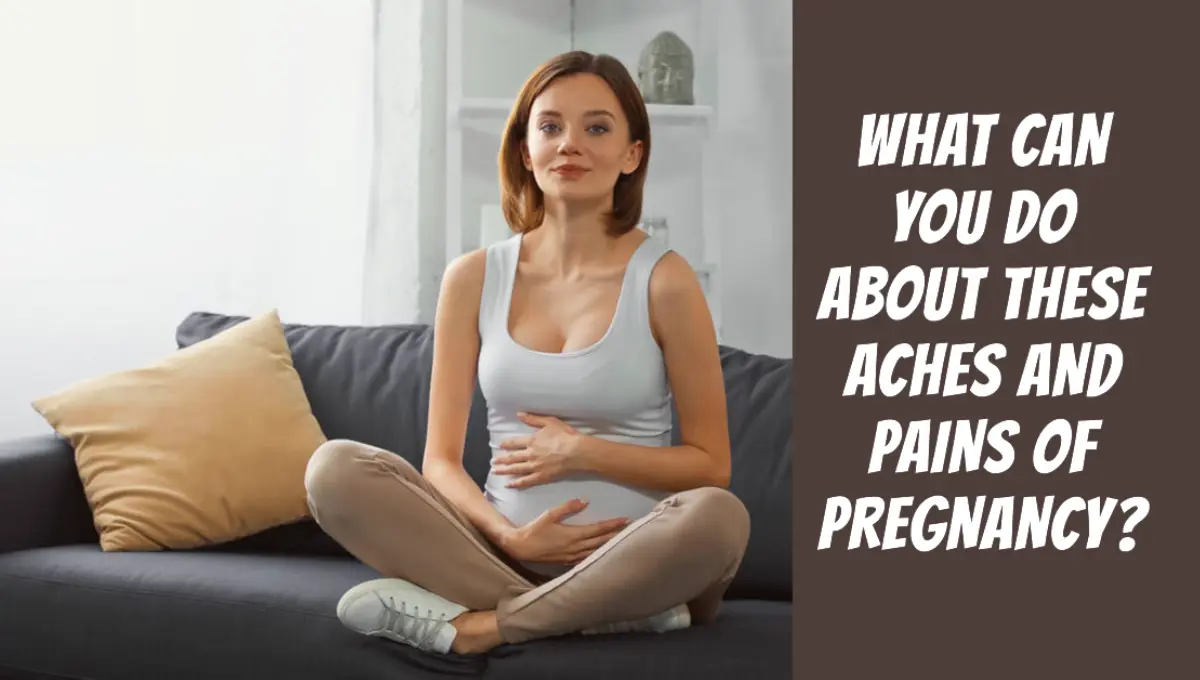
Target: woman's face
<point>578,141</point>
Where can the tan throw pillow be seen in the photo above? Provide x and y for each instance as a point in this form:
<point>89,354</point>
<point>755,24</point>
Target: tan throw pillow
<point>205,446</point>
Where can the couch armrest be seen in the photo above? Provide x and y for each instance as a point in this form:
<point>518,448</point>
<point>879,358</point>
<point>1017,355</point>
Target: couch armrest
<point>41,498</point>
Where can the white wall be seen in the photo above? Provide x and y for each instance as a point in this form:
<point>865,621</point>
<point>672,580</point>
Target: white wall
<point>392,276</point>
<point>406,239</point>
<point>164,156</point>
<point>755,156</point>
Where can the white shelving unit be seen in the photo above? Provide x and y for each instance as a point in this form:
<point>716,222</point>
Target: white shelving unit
<point>491,48</point>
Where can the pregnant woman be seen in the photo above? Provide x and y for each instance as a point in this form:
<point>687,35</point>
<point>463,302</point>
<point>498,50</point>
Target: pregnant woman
<point>580,330</point>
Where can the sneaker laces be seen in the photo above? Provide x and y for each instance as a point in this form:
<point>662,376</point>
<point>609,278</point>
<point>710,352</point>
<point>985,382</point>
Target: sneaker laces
<point>420,631</point>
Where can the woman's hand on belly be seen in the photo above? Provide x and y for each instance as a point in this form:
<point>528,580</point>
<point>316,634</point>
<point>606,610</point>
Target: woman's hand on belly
<point>548,540</point>
<point>546,455</point>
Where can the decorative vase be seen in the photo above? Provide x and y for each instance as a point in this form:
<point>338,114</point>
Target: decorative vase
<point>667,70</point>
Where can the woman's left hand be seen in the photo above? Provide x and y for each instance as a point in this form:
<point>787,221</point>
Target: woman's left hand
<point>540,457</point>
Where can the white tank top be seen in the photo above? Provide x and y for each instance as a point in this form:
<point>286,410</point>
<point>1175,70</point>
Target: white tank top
<point>615,389</point>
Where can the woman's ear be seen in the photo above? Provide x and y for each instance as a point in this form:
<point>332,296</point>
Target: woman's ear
<point>525,156</point>
<point>633,158</point>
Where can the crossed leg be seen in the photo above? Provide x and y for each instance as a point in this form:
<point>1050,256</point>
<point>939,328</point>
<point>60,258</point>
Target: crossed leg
<point>380,508</point>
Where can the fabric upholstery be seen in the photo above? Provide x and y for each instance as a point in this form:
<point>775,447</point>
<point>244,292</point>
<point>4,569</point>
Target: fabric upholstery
<point>254,616</point>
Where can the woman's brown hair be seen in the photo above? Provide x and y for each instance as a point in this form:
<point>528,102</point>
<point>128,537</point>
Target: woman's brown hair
<point>521,198</point>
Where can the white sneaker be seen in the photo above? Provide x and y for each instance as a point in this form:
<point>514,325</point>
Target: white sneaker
<point>400,611</point>
<point>675,618</point>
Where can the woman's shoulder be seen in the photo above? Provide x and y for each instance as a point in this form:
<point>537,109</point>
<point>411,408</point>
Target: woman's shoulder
<point>469,265</point>
<point>464,275</point>
<point>671,275</point>
<point>677,303</point>
<point>468,278</point>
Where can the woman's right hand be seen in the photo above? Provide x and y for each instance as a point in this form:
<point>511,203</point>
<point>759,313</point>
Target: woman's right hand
<point>547,540</point>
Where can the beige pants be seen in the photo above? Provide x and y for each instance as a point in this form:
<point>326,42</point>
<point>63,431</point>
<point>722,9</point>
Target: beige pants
<point>377,506</point>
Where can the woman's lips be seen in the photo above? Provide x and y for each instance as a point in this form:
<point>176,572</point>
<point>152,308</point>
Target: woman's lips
<point>570,171</point>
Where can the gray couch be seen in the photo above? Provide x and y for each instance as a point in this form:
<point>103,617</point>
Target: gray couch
<point>263,607</point>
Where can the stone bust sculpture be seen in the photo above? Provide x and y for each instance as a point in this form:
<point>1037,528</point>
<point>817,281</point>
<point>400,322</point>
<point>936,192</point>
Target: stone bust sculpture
<point>666,70</point>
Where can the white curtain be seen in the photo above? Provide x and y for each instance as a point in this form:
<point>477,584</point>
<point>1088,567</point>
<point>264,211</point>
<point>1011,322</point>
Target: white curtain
<point>164,156</point>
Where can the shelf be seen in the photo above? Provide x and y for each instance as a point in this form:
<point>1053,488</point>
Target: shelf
<point>490,114</point>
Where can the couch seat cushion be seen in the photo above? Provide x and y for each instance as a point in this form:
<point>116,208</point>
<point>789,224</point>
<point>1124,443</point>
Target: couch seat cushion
<point>78,612</point>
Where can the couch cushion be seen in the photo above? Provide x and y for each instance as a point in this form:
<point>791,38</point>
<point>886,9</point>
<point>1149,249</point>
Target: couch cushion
<point>76,611</point>
<point>205,445</point>
<point>371,383</point>
<point>758,391</point>
<point>750,639</point>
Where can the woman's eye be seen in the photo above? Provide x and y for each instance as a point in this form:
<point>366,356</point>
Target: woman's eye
<point>597,129</point>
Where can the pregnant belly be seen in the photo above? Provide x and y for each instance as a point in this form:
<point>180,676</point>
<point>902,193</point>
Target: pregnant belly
<point>606,499</point>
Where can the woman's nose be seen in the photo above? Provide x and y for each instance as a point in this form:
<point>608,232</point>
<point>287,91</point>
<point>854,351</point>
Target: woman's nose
<point>568,143</point>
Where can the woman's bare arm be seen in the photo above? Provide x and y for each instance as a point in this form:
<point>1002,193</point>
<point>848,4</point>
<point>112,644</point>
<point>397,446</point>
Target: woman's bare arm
<point>455,355</point>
